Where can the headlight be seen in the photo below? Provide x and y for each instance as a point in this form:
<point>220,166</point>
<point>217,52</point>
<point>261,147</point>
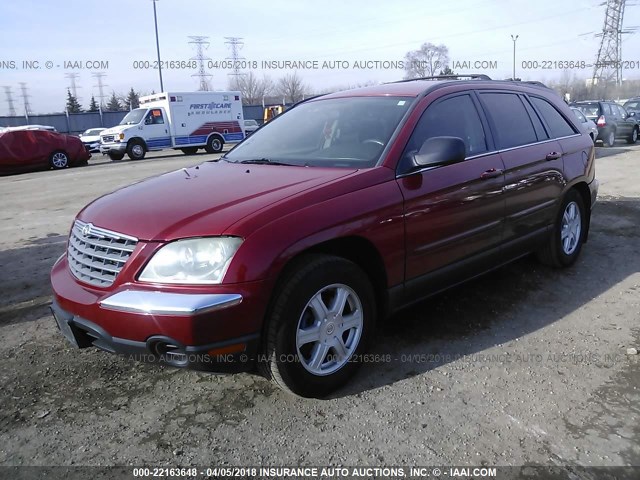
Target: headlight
<point>198,260</point>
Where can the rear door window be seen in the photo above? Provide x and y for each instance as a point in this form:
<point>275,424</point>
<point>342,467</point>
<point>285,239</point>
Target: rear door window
<point>557,124</point>
<point>513,126</point>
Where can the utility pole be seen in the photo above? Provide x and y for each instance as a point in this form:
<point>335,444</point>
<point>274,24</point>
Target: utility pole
<point>9,95</point>
<point>99,76</point>
<point>608,64</point>
<point>235,44</point>
<point>514,38</point>
<point>155,21</point>
<point>201,44</point>
<point>73,86</point>
<point>25,99</point>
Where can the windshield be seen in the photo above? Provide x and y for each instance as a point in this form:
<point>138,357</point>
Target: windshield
<point>93,131</point>
<point>133,117</point>
<point>632,105</point>
<point>250,123</point>
<point>341,132</point>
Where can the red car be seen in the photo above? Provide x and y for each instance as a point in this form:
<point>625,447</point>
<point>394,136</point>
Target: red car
<point>24,150</point>
<point>284,254</point>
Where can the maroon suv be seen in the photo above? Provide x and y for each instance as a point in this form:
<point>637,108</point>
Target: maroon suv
<point>284,253</point>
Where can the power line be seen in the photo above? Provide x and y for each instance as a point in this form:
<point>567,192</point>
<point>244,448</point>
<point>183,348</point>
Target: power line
<point>235,44</point>
<point>9,95</point>
<point>25,98</point>
<point>201,44</point>
<point>99,76</point>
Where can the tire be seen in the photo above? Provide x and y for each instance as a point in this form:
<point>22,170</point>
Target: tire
<point>115,156</point>
<point>633,138</point>
<point>299,306</point>
<point>189,150</point>
<point>565,243</point>
<point>136,149</point>
<point>59,160</point>
<point>610,140</point>
<point>214,144</point>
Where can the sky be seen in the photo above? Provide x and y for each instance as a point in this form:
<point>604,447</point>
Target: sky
<point>58,38</point>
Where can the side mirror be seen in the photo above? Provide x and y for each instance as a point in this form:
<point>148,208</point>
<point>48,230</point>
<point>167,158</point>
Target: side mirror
<point>438,151</point>
<point>148,120</point>
<point>632,114</point>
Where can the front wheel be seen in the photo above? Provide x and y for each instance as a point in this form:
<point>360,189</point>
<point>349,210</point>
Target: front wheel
<point>115,156</point>
<point>633,138</point>
<point>59,160</point>
<point>565,242</point>
<point>319,327</point>
<point>136,150</point>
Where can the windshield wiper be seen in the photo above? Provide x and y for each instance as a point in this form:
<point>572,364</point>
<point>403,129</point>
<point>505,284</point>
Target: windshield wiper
<point>264,161</point>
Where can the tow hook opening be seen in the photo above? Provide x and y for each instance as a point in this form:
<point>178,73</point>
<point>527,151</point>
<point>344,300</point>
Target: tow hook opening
<point>169,352</point>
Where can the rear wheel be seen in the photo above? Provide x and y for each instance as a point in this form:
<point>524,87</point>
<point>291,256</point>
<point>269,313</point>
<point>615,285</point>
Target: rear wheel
<point>633,138</point>
<point>214,144</point>
<point>136,150</point>
<point>59,160</point>
<point>115,156</point>
<point>610,139</point>
<point>189,150</point>
<point>565,242</point>
<point>319,327</point>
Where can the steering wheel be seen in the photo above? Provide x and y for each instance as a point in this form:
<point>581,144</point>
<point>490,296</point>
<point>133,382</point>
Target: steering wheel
<point>373,140</point>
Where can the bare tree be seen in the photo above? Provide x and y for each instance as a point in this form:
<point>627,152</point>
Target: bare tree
<point>291,88</point>
<point>252,88</point>
<point>426,61</point>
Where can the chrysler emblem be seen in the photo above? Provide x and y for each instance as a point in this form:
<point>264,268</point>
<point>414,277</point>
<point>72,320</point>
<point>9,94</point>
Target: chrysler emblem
<point>86,230</point>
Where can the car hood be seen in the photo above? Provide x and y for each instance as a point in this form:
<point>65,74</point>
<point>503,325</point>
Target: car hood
<point>115,130</point>
<point>202,200</point>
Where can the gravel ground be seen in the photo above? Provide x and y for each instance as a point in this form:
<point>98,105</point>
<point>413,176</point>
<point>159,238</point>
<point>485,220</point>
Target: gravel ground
<point>526,365</point>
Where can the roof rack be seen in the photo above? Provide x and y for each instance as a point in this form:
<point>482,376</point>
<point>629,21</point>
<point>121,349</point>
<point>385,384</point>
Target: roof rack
<point>478,76</point>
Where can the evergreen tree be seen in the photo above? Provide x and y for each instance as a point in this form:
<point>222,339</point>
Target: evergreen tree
<point>114,103</point>
<point>93,105</point>
<point>73,106</point>
<point>133,99</point>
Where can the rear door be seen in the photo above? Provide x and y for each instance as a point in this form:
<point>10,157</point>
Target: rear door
<point>533,166</point>
<point>452,212</point>
<point>626,124</point>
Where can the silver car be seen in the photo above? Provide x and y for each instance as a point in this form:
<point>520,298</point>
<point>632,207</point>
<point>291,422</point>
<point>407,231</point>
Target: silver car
<point>589,125</point>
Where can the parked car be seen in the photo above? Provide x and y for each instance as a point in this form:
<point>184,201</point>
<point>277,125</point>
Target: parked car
<point>250,126</point>
<point>22,150</point>
<point>91,139</point>
<point>633,105</point>
<point>589,125</point>
<point>283,255</point>
<point>612,120</point>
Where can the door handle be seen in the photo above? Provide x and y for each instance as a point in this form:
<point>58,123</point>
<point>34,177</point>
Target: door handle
<point>553,156</point>
<point>491,173</point>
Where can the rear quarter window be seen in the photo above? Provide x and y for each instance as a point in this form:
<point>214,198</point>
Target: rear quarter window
<point>558,126</point>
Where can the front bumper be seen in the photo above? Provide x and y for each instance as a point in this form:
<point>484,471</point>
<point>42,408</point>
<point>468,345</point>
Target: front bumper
<point>224,357</point>
<point>211,329</point>
<point>113,147</point>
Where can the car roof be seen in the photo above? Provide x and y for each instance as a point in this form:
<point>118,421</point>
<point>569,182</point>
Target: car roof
<point>421,86</point>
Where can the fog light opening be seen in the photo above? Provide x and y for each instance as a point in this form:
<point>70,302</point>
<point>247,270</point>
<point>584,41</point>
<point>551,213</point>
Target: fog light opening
<point>170,353</point>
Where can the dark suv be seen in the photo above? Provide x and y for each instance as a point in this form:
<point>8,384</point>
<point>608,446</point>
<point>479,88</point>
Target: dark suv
<point>613,121</point>
<point>283,254</point>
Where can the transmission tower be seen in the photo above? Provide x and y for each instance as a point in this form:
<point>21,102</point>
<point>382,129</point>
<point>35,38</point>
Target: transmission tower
<point>99,76</point>
<point>25,98</point>
<point>235,44</point>
<point>9,95</point>
<point>201,44</point>
<point>608,66</point>
<point>72,84</point>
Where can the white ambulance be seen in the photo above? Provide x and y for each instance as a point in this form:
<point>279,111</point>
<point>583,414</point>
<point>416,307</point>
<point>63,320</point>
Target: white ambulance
<point>183,121</point>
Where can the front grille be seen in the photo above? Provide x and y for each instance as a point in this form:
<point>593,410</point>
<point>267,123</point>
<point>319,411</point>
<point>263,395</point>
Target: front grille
<point>108,138</point>
<point>96,255</point>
